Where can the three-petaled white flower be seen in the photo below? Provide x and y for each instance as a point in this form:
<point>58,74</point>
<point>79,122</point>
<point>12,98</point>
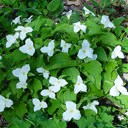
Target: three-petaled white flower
<point>86,51</point>
<point>22,72</point>
<point>78,27</point>
<point>79,86</point>
<point>17,20</point>
<point>65,46</point>
<point>94,57</point>
<point>45,72</point>
<point>11,39</point>
<point>121,117</point>
<point>117,88</point>
<point>68,14</point>
<point>106,22</point>
<point>92,106</point>
<point>88,11</point>
<point>28,47</point>
<point>23,30</point>
<point>49,49</point>
<point>5,103</point>
<point>29,19</point>
<point>117,52</point>
<point>38,104</point>
<point>71,112</point>
<point>57,83</point>
<point>49,92</point>
<point>21,85</point>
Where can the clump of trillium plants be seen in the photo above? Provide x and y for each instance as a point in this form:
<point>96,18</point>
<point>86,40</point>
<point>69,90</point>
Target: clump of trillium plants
<point>56,73</point>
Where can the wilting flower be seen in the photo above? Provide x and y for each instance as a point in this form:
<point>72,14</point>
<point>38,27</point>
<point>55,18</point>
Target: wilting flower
<point>28,20</point>
<point>71,112</point>
<point>68,14</point>
<point>117,52</point>
<point>65,46</point>
<point>94,57</point>
<point>11,39</point>
<point>121,117</point>
<point>106,22</point>
<point>45,72</point>
<point>17,20</point>
<point>117,88</point>
<point>5,103</point>
<point>78,26</point>
<point>38,104</point>
<point>28,47</point>
<point>88,11</point>
<point>79,86</point>
<point>86,51</point>
<point>92,106</point>
<point>21,85</point>
<point>49,92</point>
<point>49,49</point>
<point>23,30</point>
<point>57,83</point>
<point>22,72</point>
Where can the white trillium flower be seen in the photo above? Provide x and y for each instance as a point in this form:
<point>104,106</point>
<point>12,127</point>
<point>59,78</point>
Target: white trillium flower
<point>21,85</point>
<point>126,113</point>
<point>92,106</point>
<point>106,22</point>
<point>121,117</point>
<point>86,51</point>
<point>0,57</point>
<point>22,72</point>
<point>49,49</point>
<point>117,52</point>
<point>29,20</point>
<point>71,112</point>
<point>57,83</point>
<point>28,47</point>
<point>117,88</point>
<point>5,103</point>
<point>94,57</point>
<point>45,72</point>
<point>68,14</point>
<point>11,39</point>
<point>23,31</point>
<point>65,46</point>
<point>78,27</point>
<point>49,92</point>
<point>17,20</point>
<point>88,11</point>
<point>38,104</point>
<point>79,86</point>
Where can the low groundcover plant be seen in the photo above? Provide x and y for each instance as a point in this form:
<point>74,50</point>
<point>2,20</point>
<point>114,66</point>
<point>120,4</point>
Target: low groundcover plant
<point>53,74</point>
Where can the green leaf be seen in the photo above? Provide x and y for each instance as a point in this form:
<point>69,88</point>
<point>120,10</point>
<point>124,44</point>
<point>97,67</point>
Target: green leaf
<point>55,104</point>
<point>35,11</point>
<point>72,72</point>
<point>68,29</point>
<point>75,17</point>
<point>105,3</point>
<point>60,60</point>
<point>53,5</point>
<point>101,54</point>
<point>64,96</point>
<point>20,109</point>
<point>108,39</point>
<point>35,85</point>
<point>93,68</point>
<point>95,3</point>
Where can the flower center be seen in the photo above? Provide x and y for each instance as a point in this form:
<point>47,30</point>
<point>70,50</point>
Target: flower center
<point>79,26</point>
<point>4,101</point>
<point>44,71</point>
<point>39,104</point>
<point>23,73</point>
<point>24,30</point>
<point>71,111</point>
<point>65,45</point>
<point>49,90</point>
<point>30,48</point>
<point>58,82</point>
<point>84,51</point>
<point>78,84</point>
<point>50,50</point>
<point>24,84</point>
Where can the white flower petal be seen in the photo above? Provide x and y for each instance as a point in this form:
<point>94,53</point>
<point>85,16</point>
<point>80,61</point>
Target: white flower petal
<point>9,103</point>
<point>44,49</point>
<point>52,95</point>
<point>76,114</point>
<point>81,54</point>
<point>63,82</point>
<point>44,92</point>
<point>2,106</point>
<point>83,28</point>
<point>123,90</point>
<point>36,108</point>
<point>16,72</point>
<point>29,29</point>
<point>76,29</point>
<point>70,105</point>
<point>44,104</point>
<point>21,85</point>
<point>67,116</point>
<point>114,91</point>
<point>53,80</point>
<point>22,35</point>
<point>19,28</point>
<point>68,14</point>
